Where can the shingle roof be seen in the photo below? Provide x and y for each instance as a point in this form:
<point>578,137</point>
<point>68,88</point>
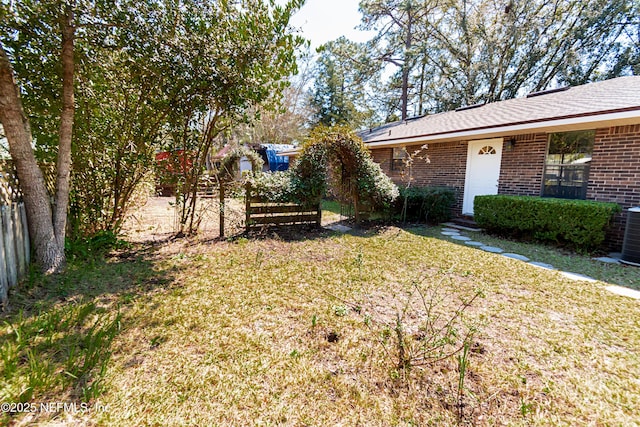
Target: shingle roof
<point>610,96</point>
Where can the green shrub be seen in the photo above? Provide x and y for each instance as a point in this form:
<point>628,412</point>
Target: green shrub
<point>275,187</point>
<point>579,223</point>
<point>430,204</point>
<point>93,247</point>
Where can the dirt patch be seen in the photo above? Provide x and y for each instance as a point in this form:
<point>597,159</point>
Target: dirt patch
<point>159,219</point>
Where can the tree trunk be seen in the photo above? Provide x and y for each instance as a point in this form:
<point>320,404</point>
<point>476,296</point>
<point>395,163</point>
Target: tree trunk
<point>48,254</point>
<point>407,63</point>
<point>66,129</point>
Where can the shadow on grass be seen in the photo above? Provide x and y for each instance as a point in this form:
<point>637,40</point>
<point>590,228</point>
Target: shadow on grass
<point>58,331</point>
<point>297,233</point>
<point>562,259</point>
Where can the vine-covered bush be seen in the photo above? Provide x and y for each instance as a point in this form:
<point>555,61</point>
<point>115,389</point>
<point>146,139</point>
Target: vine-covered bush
<point>580,223</point>
<point>276,187</point>
<point>429,204</point>
<point>309,174</point>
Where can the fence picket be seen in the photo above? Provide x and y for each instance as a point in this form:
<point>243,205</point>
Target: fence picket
<point>18,239</point>
<point>9,247</point>
<point>15,247</point>
<point>25,235</point>
<point>4,281</point>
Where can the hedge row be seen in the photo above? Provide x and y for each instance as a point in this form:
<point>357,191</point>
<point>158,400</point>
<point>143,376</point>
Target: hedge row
<point>429,204</point>
<point>579,223</point>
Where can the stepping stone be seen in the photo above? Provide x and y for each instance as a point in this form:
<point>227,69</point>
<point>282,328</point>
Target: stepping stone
<point>516,256</point>
<point>542,265</point>
<point>463,238</point>
<point>461,227</point>
<point>338,227</point>
<point>625,292</point>
<point>473,243</point>
<point>608,260</point>
<point>450,233</point>
<point>577,276</point>
<point>455,230</point>
<point>492,249</point>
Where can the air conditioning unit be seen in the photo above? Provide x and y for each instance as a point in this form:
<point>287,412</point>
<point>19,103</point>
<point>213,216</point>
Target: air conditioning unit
<point>631,244</point>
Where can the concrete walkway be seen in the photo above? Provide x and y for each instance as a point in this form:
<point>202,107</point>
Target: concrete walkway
<point>455,233</point>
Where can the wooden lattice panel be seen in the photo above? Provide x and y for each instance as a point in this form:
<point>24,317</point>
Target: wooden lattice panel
<point>9,186</point>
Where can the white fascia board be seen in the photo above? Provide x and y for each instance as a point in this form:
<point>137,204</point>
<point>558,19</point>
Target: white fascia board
<point>559,125</point>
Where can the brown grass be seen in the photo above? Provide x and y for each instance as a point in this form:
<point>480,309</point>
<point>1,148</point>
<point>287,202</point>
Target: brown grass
<point>273,332</point>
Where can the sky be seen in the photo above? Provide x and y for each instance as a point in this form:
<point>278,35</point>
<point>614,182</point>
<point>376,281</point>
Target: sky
<point>325,20</point>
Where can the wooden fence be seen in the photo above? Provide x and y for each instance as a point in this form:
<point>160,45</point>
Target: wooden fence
<point>14,247</point>
<point>262,214</point>
<point>15,250</point>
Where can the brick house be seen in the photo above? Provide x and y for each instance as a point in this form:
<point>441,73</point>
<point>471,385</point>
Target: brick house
<point>578,142</point>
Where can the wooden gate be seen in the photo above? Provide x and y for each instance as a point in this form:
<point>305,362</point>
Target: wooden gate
<point>260,213</point>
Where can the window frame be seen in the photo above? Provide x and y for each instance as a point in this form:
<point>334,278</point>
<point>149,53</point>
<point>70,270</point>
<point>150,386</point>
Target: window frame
<point>398,156</point>
<point>576,171</point>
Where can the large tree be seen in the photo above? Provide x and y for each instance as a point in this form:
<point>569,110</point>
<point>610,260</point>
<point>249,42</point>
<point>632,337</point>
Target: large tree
<point>398,37</point>
<point>227,58</point>
<point>452,53</point>
<point>341,87</point>
<point>47,225</point>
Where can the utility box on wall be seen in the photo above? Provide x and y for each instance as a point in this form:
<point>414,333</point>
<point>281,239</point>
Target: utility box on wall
<point>631,244</point>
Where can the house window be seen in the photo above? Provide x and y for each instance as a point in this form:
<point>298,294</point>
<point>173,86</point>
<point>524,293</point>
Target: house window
<point>487,149</point>
<point>398,157</point>
<point>566,171</point>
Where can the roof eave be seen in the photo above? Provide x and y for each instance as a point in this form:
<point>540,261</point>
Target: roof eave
<point>594,121</point>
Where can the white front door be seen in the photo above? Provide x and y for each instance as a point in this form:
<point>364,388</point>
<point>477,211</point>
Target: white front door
<point>483,171</point>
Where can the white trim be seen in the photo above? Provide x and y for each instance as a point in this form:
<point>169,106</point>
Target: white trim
<point>552,125</point>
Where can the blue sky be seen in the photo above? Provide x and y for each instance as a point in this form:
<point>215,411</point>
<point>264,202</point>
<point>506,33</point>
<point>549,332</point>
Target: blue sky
<point>325,20</point>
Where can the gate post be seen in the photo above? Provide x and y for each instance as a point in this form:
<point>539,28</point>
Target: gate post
<point>247,213</point>
<point>221,208</point>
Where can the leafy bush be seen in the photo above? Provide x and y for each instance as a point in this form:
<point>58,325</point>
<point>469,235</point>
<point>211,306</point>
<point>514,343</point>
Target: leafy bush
<point>94,247</point>
<point>276,187</point>
<point>430,204</point>
<point>579,223</point>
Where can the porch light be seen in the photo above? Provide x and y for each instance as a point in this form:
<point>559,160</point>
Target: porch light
<point>510,144</point>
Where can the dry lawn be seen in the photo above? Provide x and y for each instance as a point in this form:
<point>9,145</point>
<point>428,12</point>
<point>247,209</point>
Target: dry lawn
<point>300,331</point>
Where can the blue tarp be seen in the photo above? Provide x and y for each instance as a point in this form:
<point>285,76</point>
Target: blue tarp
<point>277,163</point>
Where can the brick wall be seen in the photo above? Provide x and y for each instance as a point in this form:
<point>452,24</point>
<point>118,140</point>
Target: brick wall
<point>446,167</point>
<point>522,168</point>
<point>615,174</point>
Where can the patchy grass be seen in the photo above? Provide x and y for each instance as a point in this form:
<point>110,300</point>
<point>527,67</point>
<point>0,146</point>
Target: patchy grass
<point>619,274</point>
<point>55,341</point>
<point>300,332</point>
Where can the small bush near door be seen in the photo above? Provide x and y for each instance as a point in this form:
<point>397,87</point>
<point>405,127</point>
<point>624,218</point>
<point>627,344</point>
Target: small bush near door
<point>579,223</point>
<point>430,204</point>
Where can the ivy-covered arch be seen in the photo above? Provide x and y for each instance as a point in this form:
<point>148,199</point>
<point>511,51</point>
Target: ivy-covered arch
<point>336,158</point>
<point>230,164</point>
